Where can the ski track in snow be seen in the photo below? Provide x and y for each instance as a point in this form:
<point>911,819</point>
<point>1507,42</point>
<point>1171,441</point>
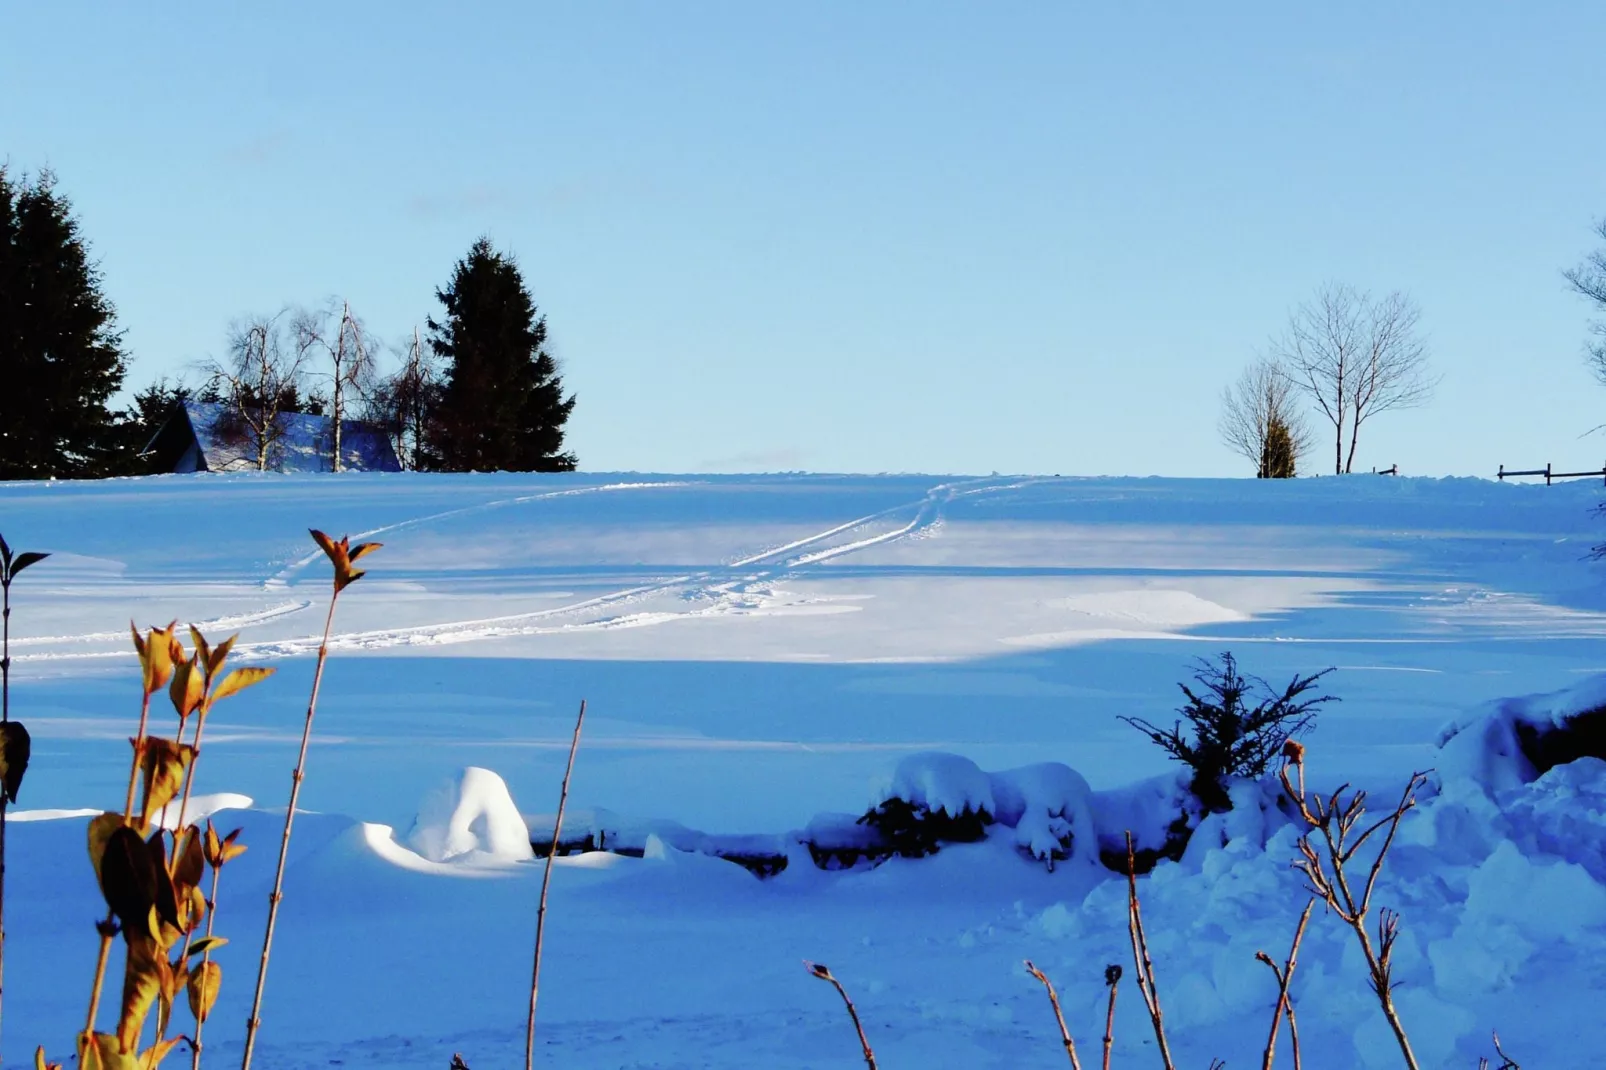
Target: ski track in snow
<point>727,589</point>
<point>726,593</point>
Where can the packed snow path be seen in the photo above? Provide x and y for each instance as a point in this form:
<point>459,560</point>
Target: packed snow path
<point>755,650</point>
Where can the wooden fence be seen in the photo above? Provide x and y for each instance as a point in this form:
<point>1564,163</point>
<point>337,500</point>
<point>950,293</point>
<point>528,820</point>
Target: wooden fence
<point>1551,476</point>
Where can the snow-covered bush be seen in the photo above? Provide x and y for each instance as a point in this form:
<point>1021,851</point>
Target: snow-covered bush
<point>1160,813</point>
<point>932,799</point>
<point>1230,734</point>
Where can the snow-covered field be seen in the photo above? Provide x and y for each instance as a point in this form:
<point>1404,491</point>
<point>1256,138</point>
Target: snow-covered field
<point>757,651</point>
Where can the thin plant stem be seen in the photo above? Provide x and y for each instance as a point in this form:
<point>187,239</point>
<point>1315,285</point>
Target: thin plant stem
<point>107,928</point>
<point>1109,1021</point>
<point>1285,1004</point>
<point>824,974</point>
<point>1059,1015</point>
<point>206,956</point>
<point>1141,961</point>
<point>546,881</point>
<point>255,1021</point>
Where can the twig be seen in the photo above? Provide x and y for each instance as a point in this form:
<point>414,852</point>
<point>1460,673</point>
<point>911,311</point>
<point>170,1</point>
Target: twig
<point>824,973</point>
<point>1059,1016</point>
<point>1141,962</point>
<point>1285,978</point>
<point>1112,977</point>
<point>1506,1061</point>
<point>1335,820</point>
<point>546,881</point>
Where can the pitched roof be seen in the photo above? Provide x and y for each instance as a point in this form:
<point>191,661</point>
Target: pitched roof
<point>304,445</point>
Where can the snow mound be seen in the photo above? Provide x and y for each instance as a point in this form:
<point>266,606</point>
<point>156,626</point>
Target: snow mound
<point>1151,607</point>
<point>470,817</point>
<point>1513,741</point>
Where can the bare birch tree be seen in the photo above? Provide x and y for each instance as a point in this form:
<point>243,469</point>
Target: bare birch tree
<point>402,402</point>
<point>1355,358</point>
<point>258,382</point>
<point>1589,280</point>
<point>1259,420</point>
<point>339,341</point>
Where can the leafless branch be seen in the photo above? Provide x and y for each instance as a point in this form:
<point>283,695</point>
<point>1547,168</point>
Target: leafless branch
<point>1285,1005</point>
<point>258,381</point>
<point>823,972</point>
<point>1354,358</point>
<point>1112,978</point>
<point>1059,1016</point>
<point>1333,823</point>
<point>1142,964</point>
<point>336,335</point>
<point>1254,407</point>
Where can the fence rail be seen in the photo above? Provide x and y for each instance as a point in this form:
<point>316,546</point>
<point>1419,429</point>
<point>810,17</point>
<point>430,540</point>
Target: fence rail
<point>1551,475</point>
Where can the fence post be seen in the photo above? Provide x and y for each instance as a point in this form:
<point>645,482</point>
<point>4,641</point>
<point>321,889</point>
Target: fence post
<point>1502,475</point>
<point>1547,473</point>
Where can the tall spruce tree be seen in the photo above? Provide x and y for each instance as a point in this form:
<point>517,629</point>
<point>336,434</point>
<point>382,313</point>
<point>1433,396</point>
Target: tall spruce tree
<point>501,405</point>
<point>61,356</point>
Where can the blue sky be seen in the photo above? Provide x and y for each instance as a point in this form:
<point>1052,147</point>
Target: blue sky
<point>861,237</point>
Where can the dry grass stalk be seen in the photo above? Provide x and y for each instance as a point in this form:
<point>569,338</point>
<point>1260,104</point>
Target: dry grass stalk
<point>546,882</point>
<point>1112,978</point>
<point>1506,1061</point>
<point>342,556</point>
<point>1059,1016</point>
<point>1325,867</point>
<point>1285,1005</point>
<point>1142,964</point>
<point>823,972</point>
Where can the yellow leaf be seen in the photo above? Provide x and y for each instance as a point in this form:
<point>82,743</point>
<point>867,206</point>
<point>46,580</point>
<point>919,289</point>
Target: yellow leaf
<point>156,656</point>
<point>191,860</point>
<point>206,945</point>
<point>100,831</point>
<point>239,680</point>
<point>213,848</point>
<point>205,979</point>
<point>192,908</point>
<point>188,687</point>
<point>164,764</point>
<point>152,1057</point>
<point>203,652</point>
<point>364,549</point>
<point>142,981</point>
<point>39,1061</point>
<point>101,1051</point>
<point>220,655</point>
<point>231,851</point>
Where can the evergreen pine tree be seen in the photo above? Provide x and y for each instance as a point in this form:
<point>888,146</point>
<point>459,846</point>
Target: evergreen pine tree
<point>61,356</point>
<point>1277,458</point>
<point>501,404</point>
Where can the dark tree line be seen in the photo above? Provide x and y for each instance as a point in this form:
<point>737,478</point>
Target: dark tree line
<point>481,392</point>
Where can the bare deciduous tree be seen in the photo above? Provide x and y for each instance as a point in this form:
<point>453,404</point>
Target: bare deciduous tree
<point>339,340</point>
<point>258,381</point>
<point>1252,411</point>
<point>1589,280</point>
<point>401,402</point>
<point>1355,358</point>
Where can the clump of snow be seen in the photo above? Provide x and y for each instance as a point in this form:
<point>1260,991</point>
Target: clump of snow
<point>1049,807</point>
<point>470,817</point>
<point>940,783</point>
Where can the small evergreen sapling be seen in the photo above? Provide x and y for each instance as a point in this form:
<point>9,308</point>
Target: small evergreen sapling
<point>1236,725</point>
